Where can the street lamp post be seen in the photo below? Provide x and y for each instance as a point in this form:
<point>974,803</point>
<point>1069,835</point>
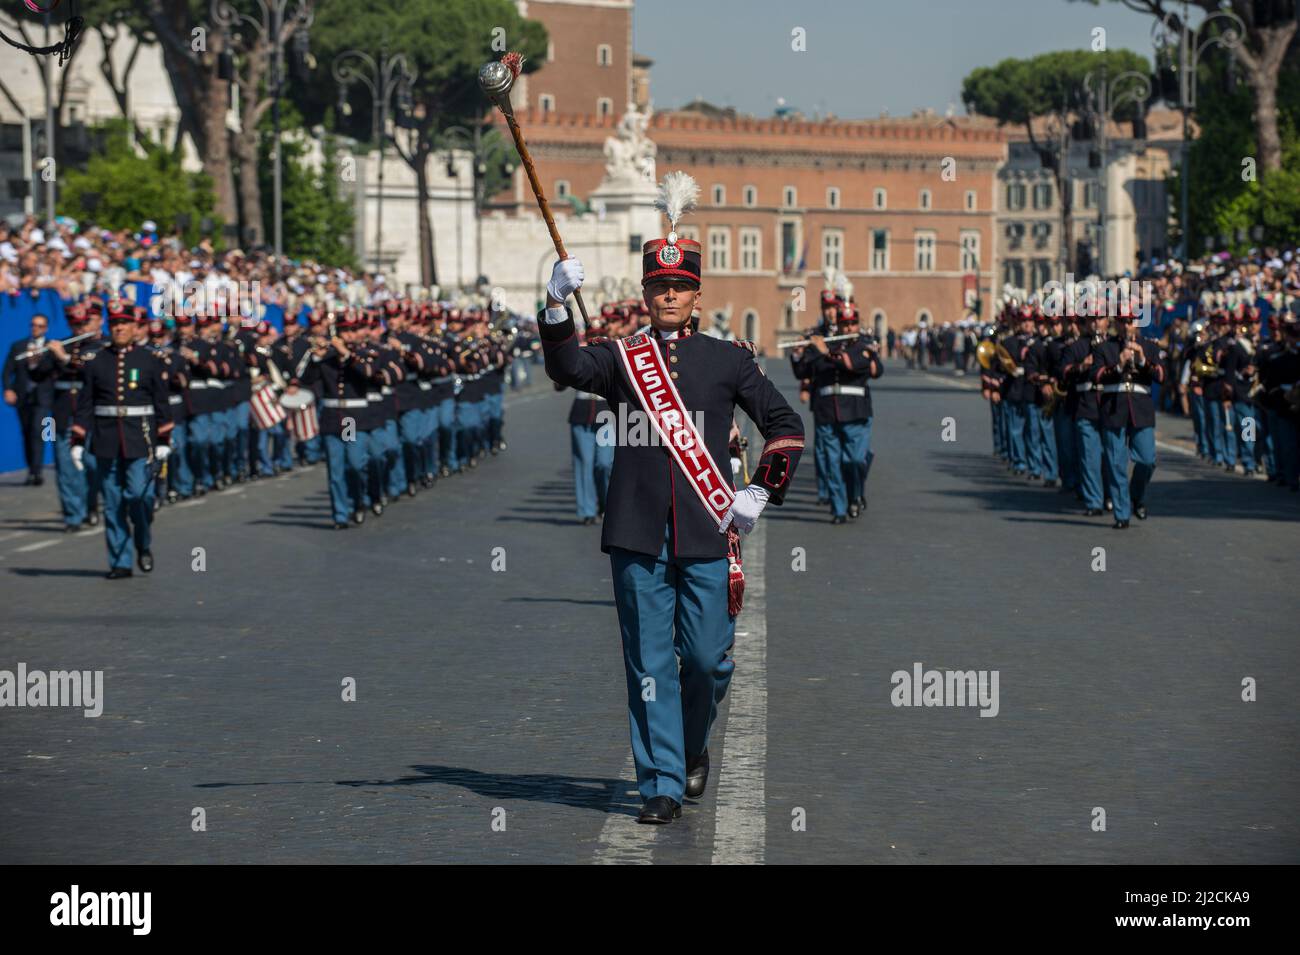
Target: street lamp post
<point>1190,48</point>
<point>270,26</point>
<point>1103,103</point>
<point>382,77</point>
<point>474,142</point>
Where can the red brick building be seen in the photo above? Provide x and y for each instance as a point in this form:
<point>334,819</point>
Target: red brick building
<point>904,207</point>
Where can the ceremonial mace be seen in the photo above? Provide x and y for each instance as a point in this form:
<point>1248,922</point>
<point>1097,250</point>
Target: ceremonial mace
<point>497,78</point>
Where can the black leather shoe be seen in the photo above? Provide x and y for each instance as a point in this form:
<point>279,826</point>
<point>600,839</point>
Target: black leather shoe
<point>378,509</point>
<point>839,519</point>
<point>1050,482</point>
<point>71,528</point>
<point>854,511</point>
<point>410,489</point>
<point>93,518</point>
<point>823,501</point>
<point>659,811</point>
<point>1093,512</point>
<point>1110,505</point>
<point>588,521</point>
<point>359,517</point>
<point>1140,512</point>
<point>1119,525</point>
<point>697,774</point>
<point>145,561</point>
<point>117,573</point>
<point>340,525</point>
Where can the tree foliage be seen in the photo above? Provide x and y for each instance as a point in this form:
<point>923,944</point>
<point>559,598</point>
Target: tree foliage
<point>119,189</point>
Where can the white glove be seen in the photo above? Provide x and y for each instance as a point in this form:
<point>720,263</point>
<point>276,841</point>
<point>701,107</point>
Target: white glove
<point>78,456</point>
<point>566,278</point>
<point>744,512</point>
<point>161,452</point>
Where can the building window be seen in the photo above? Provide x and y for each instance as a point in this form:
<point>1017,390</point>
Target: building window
<point>550,51</point>
<point>879,323</point>
<point>1013,273</point>
<point>719,195</point>
<point>720,249</point>
<point>751,250</point>
<point>925,242</point>
<point>970,200</point>
<point>970,251</point>
<point>604,55</point>
<point>879,250</point>
<point>878,198</point>
<point>1043,195</point>
<point>561,188</point>
<point>790,196</point>
<point>604,106</point>
<point>1090,195</point>
<point>1015,233</point>
<point>832,249</point>
<point>833,197</point>
<point>751,326</point>
<point>546,103</point>
<point>925,198</point>
<point>923,317</point>
<point>1015,195</point>
<point>751,196</point>
<point>791,235</point>
<point>787,316</point>
<point>691,232</point>
<point>1040,273</point>
<point>1042,233</point>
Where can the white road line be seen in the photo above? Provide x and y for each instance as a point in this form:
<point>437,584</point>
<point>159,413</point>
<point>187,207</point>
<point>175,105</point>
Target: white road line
<point>9,537</point>
<point>622,840</point>
<point>38,545</point>
<point>740,836</point>
<point>1165,445</point>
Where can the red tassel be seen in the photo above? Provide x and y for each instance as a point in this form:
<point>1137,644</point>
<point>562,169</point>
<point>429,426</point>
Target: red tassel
<point>735,574</point>
<point>514,63</point>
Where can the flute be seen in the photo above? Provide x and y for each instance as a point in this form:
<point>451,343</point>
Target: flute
<point>799,343</point>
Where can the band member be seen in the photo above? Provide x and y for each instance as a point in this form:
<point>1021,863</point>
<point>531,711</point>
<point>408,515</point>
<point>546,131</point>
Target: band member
<point>1280,377</point>
<point>1125,367</point>
<point>292,354</point>
<point>590,439</point>
<point>840,375</point>
<point>29,372</point>
<point>1239,370</point>
<point>1038,371</point>
<point>79,503</point>
<point>1083,405</point>
<point>673,521</point>
<point>124,415</point>
<point>1019,399</point>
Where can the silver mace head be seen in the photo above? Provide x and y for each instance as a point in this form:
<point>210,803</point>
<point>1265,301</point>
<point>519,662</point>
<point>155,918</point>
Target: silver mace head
<point>496,80</point>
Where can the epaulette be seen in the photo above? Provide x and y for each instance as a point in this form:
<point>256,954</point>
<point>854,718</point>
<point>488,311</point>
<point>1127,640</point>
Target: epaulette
<point>594,339</point>
<point>745,343</point>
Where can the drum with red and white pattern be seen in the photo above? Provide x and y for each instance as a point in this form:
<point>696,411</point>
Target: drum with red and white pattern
<point>303,422</point>
<point>265,407</point>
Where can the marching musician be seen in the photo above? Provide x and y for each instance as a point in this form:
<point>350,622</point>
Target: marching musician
<point>840,374</point>
<point>1042,434</point>
<point>273,444</point>
<point>411,394</point>
<point>1125,366</point>
<point>1083,406</point>
<point>1280,377</point>
<point>345,371</point>
<point>292,354</point>
<point>123,415</point>
<point>591,445</point>
<point>1238,364</point>
<point>159,343</point>
<point>673,521</point>
<point>78,492</point>
<point>1019,398</point>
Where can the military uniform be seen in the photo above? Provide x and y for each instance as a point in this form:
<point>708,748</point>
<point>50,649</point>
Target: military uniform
<point>1128,418</point>
<point>123,415</point>
<point>669,560</point>
<point>840,393</point>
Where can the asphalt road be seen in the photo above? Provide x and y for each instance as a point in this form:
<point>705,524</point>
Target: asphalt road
<point>490,725</point>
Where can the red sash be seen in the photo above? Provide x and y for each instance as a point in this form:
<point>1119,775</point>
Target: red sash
<point>659,399</point>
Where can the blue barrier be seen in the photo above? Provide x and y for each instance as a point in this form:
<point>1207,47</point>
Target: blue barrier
<point>16,313</point>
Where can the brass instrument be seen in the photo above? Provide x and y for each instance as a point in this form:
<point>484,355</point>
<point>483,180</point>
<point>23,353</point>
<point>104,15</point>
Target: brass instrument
<point>985,352</point>
<point>1053,400</point>
<point>1203,365</point>
<point>1009,364</point>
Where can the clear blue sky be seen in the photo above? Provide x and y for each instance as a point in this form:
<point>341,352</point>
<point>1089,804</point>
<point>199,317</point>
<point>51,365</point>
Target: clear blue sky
<point>863,56</point>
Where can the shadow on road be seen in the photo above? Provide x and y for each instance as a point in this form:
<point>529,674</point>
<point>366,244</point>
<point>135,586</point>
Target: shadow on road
<point>600,794</point>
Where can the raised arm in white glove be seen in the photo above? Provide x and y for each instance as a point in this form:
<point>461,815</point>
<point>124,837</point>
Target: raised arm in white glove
<point>566,278</point>
<point>744,512</point>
